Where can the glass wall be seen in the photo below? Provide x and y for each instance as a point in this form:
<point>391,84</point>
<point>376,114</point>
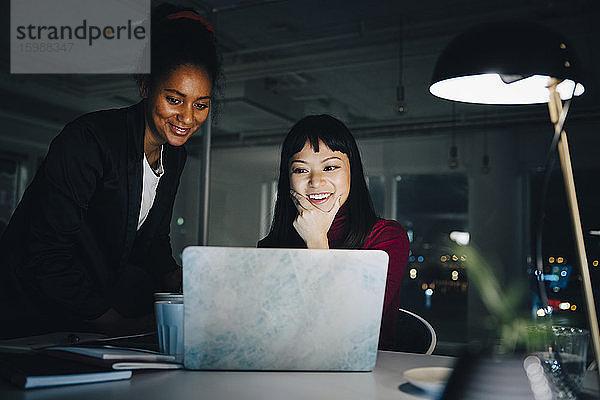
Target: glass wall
<point>561,270</point>
<point>9,188</point>
<point>433,208</point>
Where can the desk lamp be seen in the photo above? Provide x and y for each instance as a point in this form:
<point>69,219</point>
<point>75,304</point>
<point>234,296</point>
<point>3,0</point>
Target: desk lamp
<point>518,62</point>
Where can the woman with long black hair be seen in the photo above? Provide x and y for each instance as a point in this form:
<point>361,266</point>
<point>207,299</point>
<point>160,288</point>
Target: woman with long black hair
<point>323,202</point>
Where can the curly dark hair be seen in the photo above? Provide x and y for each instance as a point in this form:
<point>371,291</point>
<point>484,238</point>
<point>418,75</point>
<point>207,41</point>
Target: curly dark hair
<point>180,41</point>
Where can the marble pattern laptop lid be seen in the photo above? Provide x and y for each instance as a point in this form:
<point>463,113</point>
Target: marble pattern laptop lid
<point>282,309</point>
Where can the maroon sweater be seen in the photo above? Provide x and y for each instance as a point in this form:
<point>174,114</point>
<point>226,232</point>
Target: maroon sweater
<point>387,235</point>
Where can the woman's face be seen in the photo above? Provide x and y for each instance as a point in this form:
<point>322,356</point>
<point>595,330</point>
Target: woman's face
<point>320,176</point>
<point>179,105</point>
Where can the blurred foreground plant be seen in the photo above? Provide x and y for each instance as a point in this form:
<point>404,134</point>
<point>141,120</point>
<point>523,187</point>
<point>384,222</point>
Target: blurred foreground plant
<point>511,321</point>
<point>515,330</point>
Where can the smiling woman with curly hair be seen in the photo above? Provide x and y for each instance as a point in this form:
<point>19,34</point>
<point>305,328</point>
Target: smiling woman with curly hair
<point>89,242</point>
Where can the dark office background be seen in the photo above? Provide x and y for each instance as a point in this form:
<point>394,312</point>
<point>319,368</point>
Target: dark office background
<point>368,63</point>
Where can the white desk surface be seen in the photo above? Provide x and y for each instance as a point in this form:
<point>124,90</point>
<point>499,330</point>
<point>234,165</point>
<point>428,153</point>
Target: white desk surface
<point>385,382</point>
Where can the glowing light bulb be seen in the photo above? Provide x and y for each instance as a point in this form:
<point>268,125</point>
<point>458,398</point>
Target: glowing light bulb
<point>541,312</point>
<point>460,238</point>
<point>454,275</point>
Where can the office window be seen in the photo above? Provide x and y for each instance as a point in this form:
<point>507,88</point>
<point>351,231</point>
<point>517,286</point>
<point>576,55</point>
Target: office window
<point>376,185</point>
<point>561,266</point>
<point>432,207</point>
<point>268,196</point>
<point>10,171</point>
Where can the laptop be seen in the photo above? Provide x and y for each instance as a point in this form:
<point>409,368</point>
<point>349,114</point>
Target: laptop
<point>282,309</point>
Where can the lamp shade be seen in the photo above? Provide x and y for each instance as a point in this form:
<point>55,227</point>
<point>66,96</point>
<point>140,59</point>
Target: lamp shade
<point>507,62</point>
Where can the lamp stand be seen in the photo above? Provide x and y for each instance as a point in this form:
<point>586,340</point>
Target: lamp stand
<point>555,108</point>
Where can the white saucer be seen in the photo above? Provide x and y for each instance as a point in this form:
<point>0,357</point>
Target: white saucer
<point>430,379</point>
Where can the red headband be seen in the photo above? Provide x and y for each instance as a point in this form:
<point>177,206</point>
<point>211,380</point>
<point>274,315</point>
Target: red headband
<point>191,15</point>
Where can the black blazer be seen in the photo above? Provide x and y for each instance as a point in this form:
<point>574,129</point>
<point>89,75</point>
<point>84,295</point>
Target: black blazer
<point>72,249</point>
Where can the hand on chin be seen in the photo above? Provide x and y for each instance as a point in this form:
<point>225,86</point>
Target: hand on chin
<point>314,220</point>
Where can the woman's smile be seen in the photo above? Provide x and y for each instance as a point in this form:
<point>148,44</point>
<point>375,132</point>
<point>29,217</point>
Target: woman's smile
<point>178,130</point>
<point>319,198</point>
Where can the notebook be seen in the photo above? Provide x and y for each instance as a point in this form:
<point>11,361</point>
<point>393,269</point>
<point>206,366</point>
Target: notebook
<point>34,370</point>
<point>282,309</point>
